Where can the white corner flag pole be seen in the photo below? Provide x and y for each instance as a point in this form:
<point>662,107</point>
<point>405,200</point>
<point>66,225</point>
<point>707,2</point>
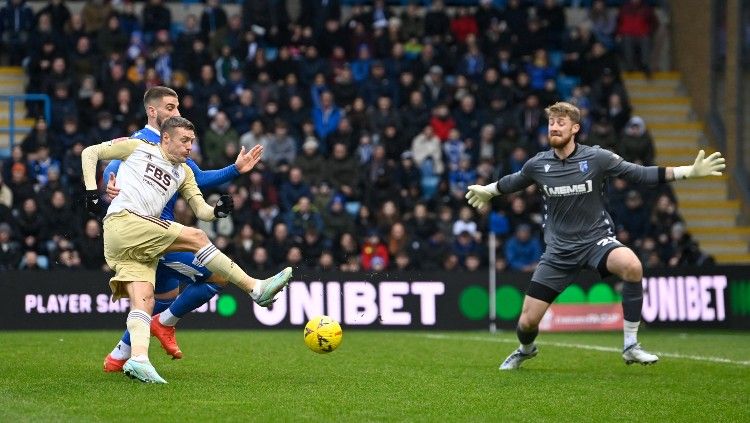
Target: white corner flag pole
<point>493,280</point>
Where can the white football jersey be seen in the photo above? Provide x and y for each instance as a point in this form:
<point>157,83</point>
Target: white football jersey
<point>147,181</point>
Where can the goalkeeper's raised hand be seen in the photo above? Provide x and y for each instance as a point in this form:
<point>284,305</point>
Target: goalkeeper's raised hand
<point>703,166</point>
<point>479,196</point>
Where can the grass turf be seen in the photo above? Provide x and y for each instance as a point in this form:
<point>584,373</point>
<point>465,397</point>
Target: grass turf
<point>377,376</point>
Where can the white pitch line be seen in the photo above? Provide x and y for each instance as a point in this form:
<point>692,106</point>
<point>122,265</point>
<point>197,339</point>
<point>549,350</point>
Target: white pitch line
<point>709,359</point>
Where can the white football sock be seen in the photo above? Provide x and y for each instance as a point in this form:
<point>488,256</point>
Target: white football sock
<point>527,348</point>
<point>140,358</point>
<point>630,330</point>
<point>166,318</point>
<point>121,351</point>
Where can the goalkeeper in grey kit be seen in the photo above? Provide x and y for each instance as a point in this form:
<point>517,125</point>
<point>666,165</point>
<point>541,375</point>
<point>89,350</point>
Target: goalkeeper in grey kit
<point>578,230</point>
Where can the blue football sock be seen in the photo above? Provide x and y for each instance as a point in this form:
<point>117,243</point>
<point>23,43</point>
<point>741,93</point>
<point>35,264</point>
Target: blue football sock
<point>159,306</point>
<point>194,296</point>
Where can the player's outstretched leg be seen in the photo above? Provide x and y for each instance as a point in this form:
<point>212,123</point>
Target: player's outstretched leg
<point>525,351</point>
<point>265,290</point>
<point>114,361</point>
<point>207,255</point>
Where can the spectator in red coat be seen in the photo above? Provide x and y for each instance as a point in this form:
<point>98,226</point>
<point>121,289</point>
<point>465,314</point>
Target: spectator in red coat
<point>636,24</point>
<point>374,254</point>
<point>463,25</point>
<point>442,122</point>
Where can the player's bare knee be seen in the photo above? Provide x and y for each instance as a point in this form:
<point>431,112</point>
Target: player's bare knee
<point>201,239</point>
<point>526,323</point>
<point>633,271</point>
<point>144,301</point>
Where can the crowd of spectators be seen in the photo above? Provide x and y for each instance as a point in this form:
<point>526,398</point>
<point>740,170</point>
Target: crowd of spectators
<point>373,122</point>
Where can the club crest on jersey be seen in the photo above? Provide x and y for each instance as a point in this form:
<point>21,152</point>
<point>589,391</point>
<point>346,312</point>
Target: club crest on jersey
<point>546,168</point>
<point>584,166</point>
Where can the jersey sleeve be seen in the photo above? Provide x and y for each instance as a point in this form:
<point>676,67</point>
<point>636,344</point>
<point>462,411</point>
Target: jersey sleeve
<point>212,178</point>
<point>189,187</point>
<point>120,149</point>
<point>614,165</point>
<point>519,180</point>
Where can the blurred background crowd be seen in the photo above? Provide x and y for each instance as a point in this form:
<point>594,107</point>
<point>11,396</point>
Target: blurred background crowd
<point>374,119</point>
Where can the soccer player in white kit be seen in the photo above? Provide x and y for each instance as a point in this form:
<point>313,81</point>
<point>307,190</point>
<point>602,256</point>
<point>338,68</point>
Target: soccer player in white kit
<point>135,237</point>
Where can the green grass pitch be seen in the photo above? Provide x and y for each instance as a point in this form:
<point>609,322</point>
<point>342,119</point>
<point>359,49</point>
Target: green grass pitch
<point>379,376</point>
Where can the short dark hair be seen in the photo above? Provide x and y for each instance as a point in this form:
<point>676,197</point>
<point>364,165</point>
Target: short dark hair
<point>176,122</point>
<point>157,93</point>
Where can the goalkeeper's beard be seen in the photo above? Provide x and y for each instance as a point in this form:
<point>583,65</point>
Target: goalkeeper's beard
<point>559,142</point>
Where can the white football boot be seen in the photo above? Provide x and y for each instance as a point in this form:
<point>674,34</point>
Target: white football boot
<point>517,357</point>
<point>635,354</point>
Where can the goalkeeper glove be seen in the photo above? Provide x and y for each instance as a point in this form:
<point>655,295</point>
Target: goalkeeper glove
<point>479,196</point>
<point>224,206</point>
<point>92,202</point>
<point>703,166</point>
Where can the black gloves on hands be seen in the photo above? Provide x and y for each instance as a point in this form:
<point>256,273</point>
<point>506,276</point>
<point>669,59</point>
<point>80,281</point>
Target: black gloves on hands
<point>93,202</point>
<point>224,206</point>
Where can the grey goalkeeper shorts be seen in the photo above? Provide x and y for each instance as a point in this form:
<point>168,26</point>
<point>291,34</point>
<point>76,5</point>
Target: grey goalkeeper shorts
<point>558,268</point>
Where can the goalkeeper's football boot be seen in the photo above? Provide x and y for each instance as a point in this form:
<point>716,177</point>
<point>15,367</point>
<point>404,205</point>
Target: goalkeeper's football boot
<point>113,365</point>
<point>143,371</point>
<point>272,286</point>
<point>514,360</point>
<point>165,335</point>
<point>635,354</point>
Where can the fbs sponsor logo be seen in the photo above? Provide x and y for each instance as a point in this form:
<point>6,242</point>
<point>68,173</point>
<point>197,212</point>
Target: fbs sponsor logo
<point>566,190</point>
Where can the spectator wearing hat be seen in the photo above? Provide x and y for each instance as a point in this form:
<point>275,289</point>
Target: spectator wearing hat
<point>636,144</point>
<point>374,254</point>
<point>522,251</point>
<point>310,162</point>
<point>20,184</point>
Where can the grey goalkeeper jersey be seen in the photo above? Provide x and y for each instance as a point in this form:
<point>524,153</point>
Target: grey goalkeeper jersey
<point>573,191</point>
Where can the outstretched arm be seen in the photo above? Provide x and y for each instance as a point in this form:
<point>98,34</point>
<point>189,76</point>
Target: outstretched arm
<point>479,196</point>
<point>702,167</point>
<point>245,162</point>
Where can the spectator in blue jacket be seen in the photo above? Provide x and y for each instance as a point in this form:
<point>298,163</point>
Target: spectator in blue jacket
<point>16,23</point>
<point>326,117</point>
<point>293,189</point>
<point>522,251</point>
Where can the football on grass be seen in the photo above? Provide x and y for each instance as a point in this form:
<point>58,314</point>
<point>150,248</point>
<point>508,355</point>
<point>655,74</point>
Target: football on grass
<point>323,334</point>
